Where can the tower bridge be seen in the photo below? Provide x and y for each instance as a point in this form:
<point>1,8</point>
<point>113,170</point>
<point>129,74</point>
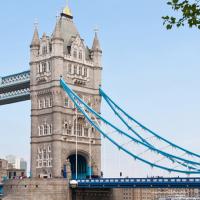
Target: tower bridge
<point>63,87</point>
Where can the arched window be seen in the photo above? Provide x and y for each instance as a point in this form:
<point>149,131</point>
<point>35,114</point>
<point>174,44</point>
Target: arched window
<point>85,72</point>
<point>50,129</point>
<point>43,103</point>
<point>80,70</point>
<point>46,102</point>
<point>40,103</point>
<point>45,129</point>
<point>49,67</point>
<point>41,130</point>
<point>75,54</point>
<point>70,68</point>
<point>66,102</point>
<point>44,157</point>
<point>86,132</point>
<point>80,55</point>
<point>68,129</point>
<point>44,50</point>
<point>75,69</point>
<point>50,102</point>
<point>78,127</point>
<point>44,67</point>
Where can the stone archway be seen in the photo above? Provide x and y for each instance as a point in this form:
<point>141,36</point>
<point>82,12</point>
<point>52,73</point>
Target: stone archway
<point>82,167</point>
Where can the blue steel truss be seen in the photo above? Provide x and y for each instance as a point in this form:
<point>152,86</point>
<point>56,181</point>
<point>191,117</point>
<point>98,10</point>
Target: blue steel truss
<point>159,182</point>
<point>15,88</point>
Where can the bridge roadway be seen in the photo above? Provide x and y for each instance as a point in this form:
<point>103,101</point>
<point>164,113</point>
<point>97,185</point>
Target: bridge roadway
<point>112,183</point>
<point>159,182</point>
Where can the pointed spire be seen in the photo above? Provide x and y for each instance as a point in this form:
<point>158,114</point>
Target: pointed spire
<point>57,31</point>
<point>36,39</point>
<point>96,45</point>
<point>44,36</point>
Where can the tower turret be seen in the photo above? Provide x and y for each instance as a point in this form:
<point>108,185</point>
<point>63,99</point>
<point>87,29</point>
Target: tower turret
<point>57,40</point>
<point>96,51</point>
<point>35,44</point>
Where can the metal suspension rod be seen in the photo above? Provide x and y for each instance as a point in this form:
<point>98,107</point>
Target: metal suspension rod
<point>74,97</point>
<point>103,94</point>
<point>65,87</point>
<point>169,156</point>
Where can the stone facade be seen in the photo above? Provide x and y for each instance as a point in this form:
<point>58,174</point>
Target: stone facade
<point>54,120</point>
<point>37,189</point>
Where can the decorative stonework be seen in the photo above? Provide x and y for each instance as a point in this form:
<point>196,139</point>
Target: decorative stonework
<point>54,119</point>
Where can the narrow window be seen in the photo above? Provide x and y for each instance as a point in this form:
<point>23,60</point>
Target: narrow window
<point>85,72</point>
<point>75,69</point>
<point>66,102</point>
<point>69,130</point>
<point>80,56</point>
<point>46,102</point>
<point>70,68</point>
<point>79,129</point>
<point>86,132</point>
<point>44,50</point>
<point>45,129</point>
<point>50,102</point>
<point>80,70</point>
<point>41,130</point>
<point>75,54</point>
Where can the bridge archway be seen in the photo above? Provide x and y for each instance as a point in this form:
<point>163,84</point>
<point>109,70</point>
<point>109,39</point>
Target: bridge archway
<point>82,169</point>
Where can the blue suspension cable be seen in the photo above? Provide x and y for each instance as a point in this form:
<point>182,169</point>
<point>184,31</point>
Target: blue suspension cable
<point>74,97</point>
<point>136,133</point>
<point>169,156</point>
<point>145,128</point>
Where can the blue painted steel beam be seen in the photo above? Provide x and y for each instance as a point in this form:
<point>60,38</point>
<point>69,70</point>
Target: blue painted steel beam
<point>139,183</point>
<point>15,82</point>
<point>15,96</point>
<point>15,88</point>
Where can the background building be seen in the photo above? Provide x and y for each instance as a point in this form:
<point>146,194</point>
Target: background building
<point>155,193</point>
<point>3,169</point>
<point>14,161</point>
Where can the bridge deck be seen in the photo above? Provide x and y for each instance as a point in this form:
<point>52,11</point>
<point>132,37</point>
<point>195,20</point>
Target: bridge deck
<point>140,183</point>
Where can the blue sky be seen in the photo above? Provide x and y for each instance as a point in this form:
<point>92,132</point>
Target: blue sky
<point>153,73</point>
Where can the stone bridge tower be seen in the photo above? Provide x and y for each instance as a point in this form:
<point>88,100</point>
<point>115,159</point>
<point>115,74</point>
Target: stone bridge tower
<point>54,121</point>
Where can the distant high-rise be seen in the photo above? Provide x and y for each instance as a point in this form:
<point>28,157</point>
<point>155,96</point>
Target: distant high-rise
<point>23,164</point>
<point>14,161</point>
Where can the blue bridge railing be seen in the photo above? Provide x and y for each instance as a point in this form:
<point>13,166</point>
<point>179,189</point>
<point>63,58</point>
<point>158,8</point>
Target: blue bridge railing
<point>139,183</point>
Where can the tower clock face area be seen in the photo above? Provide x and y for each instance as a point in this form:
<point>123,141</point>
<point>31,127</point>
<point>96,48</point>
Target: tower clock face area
<point>56,125</point>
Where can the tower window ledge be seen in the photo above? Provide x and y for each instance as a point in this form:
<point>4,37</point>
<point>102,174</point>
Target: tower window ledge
<point>91,63</point>
<point>42,77</point>
<point>80,82</point>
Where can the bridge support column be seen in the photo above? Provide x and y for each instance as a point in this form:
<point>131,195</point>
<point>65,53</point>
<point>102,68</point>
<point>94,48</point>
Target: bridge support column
<point>37,189</point>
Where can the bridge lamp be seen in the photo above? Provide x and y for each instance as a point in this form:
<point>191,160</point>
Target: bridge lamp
<point>74,184</point>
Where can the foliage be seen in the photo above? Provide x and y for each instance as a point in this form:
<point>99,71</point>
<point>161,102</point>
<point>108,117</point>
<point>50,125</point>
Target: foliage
<point>189,14</point>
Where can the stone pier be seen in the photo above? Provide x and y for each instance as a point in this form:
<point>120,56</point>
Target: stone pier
<point>37,189</point>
